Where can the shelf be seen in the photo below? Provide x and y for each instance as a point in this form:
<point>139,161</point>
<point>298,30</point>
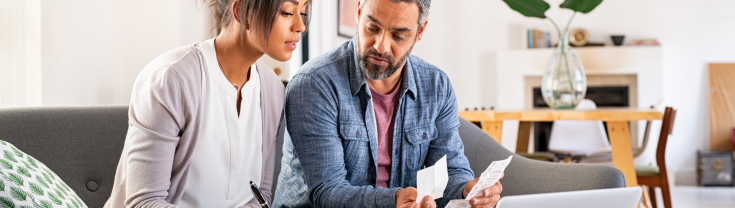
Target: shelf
<point>594,59</point>
<point>592,48</point>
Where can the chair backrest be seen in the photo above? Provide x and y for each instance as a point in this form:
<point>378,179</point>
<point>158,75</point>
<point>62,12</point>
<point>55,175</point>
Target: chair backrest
<point>667,128</point>
<point>578,137</point>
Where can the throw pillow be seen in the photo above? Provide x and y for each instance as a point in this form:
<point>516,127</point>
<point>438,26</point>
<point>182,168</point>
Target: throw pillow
<point>27,183</point>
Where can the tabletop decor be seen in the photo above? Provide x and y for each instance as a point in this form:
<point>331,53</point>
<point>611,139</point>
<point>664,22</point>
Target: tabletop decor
<point>564,82</point>
<point>617,39</point>
<point>579,37</point>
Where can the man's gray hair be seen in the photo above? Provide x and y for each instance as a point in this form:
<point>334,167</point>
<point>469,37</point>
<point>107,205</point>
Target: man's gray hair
<point>423,8</point>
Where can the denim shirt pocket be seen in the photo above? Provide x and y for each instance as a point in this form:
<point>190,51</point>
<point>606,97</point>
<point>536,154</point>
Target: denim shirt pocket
<point>418,138</point>
<point>355,144</point>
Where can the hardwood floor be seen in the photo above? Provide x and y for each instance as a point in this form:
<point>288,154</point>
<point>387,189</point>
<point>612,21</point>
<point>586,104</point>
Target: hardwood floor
<point>695,197</point>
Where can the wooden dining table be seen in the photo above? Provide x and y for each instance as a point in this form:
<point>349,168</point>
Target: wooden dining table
<point>617,127</point>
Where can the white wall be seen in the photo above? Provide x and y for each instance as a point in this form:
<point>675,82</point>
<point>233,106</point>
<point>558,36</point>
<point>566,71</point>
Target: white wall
<point>693,33</point>
<point>92,50</point>
<point>323,28</point>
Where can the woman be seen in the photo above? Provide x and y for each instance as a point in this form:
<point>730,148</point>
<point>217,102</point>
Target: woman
<point>203,118</point>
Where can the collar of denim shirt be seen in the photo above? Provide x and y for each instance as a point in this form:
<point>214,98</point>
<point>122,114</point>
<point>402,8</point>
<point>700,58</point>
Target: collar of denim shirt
<point>358,82</point>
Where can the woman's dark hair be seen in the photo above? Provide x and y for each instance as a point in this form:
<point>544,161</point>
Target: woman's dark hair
<point>261,13</point>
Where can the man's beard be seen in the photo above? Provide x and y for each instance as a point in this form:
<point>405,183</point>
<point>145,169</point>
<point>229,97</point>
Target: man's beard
<point>372,71</point>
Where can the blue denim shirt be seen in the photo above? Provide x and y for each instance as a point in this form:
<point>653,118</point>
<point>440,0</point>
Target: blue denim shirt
<point>330,159</point>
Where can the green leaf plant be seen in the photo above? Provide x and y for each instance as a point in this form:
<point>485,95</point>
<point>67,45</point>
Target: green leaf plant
<point>538,8</point>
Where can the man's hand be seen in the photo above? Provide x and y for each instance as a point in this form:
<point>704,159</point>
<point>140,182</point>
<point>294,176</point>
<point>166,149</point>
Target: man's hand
<point>406,198</point>
<point>490,196</point>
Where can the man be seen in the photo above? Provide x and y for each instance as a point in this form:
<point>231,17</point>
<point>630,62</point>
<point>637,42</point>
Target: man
<point>366,116</point>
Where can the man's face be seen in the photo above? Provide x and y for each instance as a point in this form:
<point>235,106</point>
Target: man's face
<point>386,33</point>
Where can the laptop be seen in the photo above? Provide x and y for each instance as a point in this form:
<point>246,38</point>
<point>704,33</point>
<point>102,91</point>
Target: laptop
<point>600,198</point>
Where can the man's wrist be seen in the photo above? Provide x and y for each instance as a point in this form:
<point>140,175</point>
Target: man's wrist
<point>395,195</point>
<point>385,193</point>
<point>466,190</point>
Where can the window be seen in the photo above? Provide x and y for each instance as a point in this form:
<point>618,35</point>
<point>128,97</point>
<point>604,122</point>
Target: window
<point>20,53</point>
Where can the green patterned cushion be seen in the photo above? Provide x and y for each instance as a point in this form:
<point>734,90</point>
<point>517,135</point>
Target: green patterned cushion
<point>27,183</point>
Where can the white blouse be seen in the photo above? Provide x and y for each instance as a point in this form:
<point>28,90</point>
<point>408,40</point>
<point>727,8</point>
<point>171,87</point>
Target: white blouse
<point>228,154</point>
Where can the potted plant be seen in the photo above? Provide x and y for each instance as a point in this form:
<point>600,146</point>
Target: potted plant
<point>564,83</point>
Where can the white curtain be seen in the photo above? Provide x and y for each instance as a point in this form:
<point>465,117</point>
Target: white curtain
<point>20,53</point>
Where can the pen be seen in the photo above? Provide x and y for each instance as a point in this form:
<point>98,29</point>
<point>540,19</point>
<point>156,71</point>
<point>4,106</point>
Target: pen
<point>258,196</point>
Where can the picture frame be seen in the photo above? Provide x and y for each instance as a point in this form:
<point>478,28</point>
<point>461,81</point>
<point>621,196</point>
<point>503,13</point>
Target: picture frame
<point>346,13</point>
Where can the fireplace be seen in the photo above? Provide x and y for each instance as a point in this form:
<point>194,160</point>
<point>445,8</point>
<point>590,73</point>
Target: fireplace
<point>603,96</point>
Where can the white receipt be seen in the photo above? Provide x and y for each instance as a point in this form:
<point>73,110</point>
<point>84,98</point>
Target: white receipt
<point>489,177</point>
<point>432,180</point>
<point>459,203</point>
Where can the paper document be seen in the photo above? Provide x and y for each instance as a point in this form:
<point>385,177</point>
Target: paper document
<point>432,180</point>
<point>488,178</point>
<point>459,203</point>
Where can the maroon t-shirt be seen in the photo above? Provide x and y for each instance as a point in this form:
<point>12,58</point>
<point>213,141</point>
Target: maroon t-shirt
<point>385,115</point>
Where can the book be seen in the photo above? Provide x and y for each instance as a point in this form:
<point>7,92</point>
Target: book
<point>540,39</point>
<point>529,38</point>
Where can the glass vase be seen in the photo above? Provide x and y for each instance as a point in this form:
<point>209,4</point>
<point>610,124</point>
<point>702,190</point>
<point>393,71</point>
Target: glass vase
<point>564,83</point>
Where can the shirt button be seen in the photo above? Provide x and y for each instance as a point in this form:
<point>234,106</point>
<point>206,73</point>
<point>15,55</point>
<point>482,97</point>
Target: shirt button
<point>357,134</point>
<point>424,135</point>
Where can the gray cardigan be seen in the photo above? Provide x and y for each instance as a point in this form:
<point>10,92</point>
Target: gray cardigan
<point>164,122</point>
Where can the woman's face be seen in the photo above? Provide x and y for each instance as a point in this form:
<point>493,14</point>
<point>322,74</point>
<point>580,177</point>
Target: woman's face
<point>286,30</point>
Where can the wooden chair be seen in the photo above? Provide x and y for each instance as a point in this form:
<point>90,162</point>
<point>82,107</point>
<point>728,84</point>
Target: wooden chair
<point>652,176</point>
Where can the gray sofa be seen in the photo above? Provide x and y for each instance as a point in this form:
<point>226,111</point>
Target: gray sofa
<point>83,146</point>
